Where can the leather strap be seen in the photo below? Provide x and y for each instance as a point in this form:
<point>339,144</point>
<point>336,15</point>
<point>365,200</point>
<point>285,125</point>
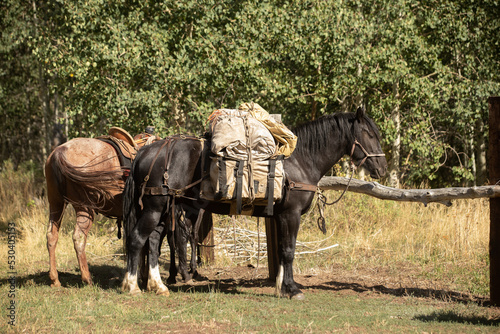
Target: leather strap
<point>302,186</point>
<point>270,187</point>
<point>146,178</point>
<point>222,179</point>
<point>239,186</point>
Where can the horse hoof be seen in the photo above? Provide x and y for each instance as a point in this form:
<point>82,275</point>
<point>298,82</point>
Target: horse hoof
<point>56,284</point>
<point>135,292</point>
<point>131,290</point>
<point>163,292</point>
<point>298,296</point>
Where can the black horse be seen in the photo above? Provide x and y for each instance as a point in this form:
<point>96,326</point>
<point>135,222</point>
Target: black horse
<point>159,183</point>
<point>183,228</point>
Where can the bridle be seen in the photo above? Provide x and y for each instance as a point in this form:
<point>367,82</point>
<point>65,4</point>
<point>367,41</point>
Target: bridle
<point>367,155</point>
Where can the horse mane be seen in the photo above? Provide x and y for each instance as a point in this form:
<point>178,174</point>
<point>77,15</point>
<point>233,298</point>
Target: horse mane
<point>317,134</point>
<point>326,130</point>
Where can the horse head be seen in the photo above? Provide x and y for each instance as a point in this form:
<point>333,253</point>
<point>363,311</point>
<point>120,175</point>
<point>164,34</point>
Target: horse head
<point>366,149</point>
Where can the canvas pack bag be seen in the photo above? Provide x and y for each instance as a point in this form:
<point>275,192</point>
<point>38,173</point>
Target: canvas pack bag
<point>246,167</point>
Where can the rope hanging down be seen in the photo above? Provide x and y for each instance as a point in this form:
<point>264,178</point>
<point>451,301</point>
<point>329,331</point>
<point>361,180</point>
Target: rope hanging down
<point>322,200</point>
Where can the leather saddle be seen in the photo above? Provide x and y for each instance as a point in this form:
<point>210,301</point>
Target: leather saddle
<point>125,145</point>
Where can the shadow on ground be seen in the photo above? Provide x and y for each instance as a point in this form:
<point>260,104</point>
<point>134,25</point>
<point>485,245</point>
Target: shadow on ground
<point>245,280</point>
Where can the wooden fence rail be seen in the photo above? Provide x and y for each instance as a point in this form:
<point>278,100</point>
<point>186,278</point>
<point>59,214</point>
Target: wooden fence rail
<point>425,196</point>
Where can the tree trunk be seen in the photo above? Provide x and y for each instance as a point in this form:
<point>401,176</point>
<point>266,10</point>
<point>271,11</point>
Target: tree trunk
<point>481,164</point>
<point>44,102</point>
<point>314,110</point>
<point>472,149</point>
<point>394,168</point>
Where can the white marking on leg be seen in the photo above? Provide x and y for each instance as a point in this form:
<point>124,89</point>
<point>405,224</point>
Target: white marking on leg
<point>279,280</point>
<point>130,284</point>
<point>154,281</point>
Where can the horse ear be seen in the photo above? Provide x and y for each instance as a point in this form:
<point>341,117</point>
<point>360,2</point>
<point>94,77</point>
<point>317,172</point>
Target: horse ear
<point>360,113</point>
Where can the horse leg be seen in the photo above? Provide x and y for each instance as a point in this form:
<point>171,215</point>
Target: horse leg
<point>84,220</point>
<point>191,222</point>
<point>154,279</point>
<point>173,267</point>
<point>194,257</point>
<point>177,243</point>
<point>201,233</point>
<point>56,207</point>
<point>144,265</point>
<point>135,243</point>
<point>181,245</point>
<point>182,234</point>
<point>288,227</point>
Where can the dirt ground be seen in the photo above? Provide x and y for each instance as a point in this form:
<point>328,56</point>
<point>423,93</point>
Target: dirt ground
<point>352,281</point>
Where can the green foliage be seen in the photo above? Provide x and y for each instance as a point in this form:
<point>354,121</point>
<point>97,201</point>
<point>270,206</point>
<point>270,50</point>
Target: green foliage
<point>171,63</point>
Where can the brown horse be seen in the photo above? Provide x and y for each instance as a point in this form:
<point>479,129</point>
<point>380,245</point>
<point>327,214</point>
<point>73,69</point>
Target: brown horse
<point>86,173</point>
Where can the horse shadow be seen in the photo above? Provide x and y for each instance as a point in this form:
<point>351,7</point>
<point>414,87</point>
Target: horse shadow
<point>225,286</point>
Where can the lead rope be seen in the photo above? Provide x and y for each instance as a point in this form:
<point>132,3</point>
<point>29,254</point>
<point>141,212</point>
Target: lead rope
<point>322,200</point>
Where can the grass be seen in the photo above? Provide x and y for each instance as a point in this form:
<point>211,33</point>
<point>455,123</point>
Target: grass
<point>443,250</point>
<point>93,309</point>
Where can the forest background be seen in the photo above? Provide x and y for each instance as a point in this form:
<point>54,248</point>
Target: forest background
<point>424,69</point>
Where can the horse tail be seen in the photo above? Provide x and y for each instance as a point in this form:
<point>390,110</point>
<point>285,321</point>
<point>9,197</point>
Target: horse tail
<point>129,208</point>
<point>53,166</point>
<point>97,184</point>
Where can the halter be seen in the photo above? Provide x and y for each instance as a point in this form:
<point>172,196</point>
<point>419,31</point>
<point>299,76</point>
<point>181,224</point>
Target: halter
<point>367,155</point>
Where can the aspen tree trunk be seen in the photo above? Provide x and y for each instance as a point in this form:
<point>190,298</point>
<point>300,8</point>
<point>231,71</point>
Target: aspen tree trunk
<point>481,164</point>
<point>44,99</point>
<point>473,165</point>
<point>394,168</point>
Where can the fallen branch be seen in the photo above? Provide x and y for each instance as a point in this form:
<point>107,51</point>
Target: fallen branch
<point>425,196</point>
<point>318,250</point>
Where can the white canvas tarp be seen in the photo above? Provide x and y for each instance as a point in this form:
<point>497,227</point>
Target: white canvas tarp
<point>249,130</point>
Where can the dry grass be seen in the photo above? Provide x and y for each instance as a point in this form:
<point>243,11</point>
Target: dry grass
<point>399,231</point>
<point>28,210</point>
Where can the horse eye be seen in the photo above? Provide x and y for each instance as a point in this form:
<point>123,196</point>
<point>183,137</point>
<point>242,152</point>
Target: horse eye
<point>370,133</point>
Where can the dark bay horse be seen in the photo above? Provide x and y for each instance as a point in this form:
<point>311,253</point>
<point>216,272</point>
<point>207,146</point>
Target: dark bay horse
<point>86,173</point>
<point>158,183</point>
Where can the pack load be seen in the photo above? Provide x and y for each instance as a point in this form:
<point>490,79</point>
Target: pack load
<point>246,168</point>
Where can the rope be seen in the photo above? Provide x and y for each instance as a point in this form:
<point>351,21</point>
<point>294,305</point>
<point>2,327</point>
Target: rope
<point>322,201</point>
